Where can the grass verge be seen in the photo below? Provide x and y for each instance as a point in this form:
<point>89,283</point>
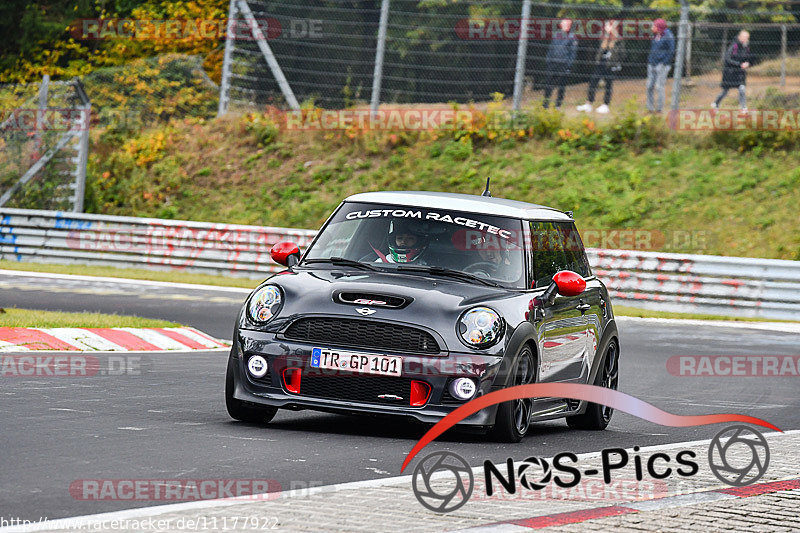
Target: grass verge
<point>31,318</point>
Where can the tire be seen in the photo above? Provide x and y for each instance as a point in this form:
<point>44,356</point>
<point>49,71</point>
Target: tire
<point>240,410</point>
<point>513,418</point>
<point>597,417</point>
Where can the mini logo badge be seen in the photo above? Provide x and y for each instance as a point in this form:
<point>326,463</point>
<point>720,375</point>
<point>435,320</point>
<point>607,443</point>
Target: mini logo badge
<point>365,311</point>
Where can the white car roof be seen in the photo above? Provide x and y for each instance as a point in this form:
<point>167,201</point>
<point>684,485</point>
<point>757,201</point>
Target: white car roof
<point>462,202</point>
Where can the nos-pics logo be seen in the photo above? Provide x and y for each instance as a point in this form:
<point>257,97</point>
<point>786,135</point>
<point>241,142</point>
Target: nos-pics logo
<point>444,481</point>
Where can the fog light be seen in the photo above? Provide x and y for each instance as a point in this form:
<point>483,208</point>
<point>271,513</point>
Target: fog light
<point>257,366</point>
<point>462,388</point>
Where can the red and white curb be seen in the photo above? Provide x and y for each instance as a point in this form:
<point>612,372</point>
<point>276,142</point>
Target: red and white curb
<point>107,340</point>
<point>667,502</point>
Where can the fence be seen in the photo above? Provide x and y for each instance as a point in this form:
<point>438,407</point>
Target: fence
<point>338,54</point>
<point>683,283</point>
<point>44,127</point>
<point>45,143</point>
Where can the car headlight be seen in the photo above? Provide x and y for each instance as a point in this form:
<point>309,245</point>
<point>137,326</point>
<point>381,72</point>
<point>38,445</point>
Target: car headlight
<point>265,303</point>
<point>480,327</point>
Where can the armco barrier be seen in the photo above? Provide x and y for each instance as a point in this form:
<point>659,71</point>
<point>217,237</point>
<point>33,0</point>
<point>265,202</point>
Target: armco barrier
<point>766,288</point>
<point>127,242</point>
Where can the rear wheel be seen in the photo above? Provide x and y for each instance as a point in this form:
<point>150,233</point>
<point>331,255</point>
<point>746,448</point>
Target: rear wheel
<point>513,418</point>
<point>240,410</point>
<point>596,416</point>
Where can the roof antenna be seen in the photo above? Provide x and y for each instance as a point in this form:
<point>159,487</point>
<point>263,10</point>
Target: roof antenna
<point>486,192</point>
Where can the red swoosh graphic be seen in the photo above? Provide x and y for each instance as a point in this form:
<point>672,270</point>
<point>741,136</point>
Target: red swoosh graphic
<point>591,393</point>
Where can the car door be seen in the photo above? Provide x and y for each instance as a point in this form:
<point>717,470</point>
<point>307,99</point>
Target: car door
<point>562,333</point>
<point>590,303</point>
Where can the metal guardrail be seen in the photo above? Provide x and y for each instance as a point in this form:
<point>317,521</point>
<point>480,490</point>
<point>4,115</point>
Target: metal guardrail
<point>765,288</point>
<point>128,242</point>
<point>709,284</point>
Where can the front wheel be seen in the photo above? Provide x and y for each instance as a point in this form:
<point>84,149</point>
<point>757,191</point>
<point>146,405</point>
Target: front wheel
<point>596,416</point>
<point>240,410</point>
<point>514,418</point>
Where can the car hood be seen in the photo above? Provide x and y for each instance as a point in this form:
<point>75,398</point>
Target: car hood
<point>432,302</point>
<point>312,287</point>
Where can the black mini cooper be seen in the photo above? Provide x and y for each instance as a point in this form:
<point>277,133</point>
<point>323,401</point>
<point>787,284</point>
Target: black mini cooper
<point>413,303</point>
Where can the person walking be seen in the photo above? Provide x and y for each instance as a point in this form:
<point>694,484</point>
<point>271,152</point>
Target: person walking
<point>662,49</point>
<point>607,63</point>
<point>734,72</point>
<point>558,62</point>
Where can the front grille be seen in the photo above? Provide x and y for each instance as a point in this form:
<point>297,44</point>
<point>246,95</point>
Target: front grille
<point>362,334</point>
<point>357,388</point>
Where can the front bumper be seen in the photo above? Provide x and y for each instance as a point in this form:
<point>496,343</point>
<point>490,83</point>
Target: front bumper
<point>436,371</point>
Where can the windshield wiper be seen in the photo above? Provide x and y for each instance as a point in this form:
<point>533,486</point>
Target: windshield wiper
<point>341,261</point>
<point>447,272</point>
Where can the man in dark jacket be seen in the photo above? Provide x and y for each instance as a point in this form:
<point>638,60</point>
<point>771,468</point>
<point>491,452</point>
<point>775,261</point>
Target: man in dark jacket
<point>734,73</point>
<point>658,64</point>
<point>560,56</point>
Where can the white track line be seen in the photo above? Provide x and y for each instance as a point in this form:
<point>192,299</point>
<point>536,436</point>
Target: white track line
<point>787,327</point>
<point>773,326</point>
<point>128,281</point>
<point>155,510</point>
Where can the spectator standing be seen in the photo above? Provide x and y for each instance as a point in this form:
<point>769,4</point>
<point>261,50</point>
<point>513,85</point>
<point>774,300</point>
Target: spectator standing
<point>662,49</point>
<point>607,63</point>
<point>558,62</point>
<point>734,72</point>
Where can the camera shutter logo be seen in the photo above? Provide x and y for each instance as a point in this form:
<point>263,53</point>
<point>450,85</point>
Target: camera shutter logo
<point>742,459</point>
<point>525,473</point>
<point>442,482</point>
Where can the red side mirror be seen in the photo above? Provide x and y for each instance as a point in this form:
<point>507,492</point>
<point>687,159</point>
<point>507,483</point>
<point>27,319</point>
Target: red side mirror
<point>285,253</point>
<point>569,283</point>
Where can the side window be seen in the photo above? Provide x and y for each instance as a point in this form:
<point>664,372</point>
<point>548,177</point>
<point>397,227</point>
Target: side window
<point>548,254</point>
<point>573,247</point>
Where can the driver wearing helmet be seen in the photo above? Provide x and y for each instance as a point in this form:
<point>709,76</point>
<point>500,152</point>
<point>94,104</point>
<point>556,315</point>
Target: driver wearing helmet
<point>492,259</point>
<point>406,244</point>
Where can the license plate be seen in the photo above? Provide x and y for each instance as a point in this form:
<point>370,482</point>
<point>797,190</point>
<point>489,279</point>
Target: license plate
<point>362,363</point>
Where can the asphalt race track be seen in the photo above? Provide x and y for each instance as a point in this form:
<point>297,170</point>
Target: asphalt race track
<point>168,421</point>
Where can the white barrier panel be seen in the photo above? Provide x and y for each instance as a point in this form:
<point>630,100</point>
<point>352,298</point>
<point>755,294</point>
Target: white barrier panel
<point>223,249</point>
<point>767,288</point>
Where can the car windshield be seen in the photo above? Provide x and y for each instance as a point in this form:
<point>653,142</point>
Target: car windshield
<point>438,241</point>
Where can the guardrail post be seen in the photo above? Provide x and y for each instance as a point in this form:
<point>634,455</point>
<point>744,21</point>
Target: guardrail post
<point>37,142</point>
<point>225,84</point>
<point>783,55</point>
<point>83,147</point>
<point>377,75</point>
<point>680,55</point>
<point>522,51</point>
<point>689,51</point>
<point>266,51</point>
